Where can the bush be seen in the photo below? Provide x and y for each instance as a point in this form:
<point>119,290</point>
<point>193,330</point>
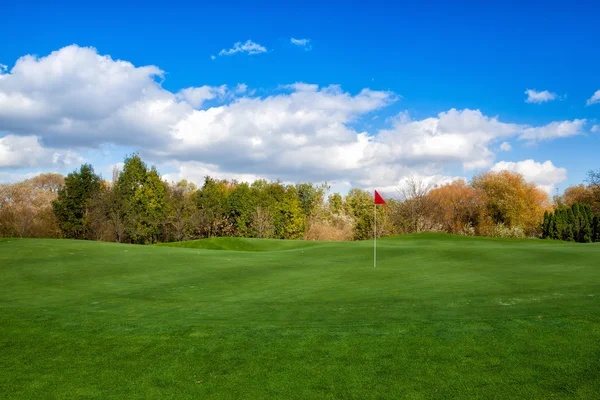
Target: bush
<point>502,231</point>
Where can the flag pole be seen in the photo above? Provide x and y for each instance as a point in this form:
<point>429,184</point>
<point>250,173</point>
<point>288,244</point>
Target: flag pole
<point>377,200</point>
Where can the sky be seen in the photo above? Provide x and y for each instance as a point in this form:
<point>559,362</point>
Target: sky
<point>356,95</point>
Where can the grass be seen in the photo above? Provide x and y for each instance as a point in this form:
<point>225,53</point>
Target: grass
<point>441,317</point>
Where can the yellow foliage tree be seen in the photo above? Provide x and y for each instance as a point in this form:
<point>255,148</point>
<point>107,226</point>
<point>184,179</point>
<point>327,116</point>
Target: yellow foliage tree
<point>512,202</point>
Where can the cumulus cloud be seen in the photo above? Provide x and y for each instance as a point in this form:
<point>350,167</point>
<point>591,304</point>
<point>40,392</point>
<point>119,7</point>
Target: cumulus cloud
<point>595,129</point>
<point>505,146</point>
<point>248,47</point>
<point>533,96</point>
<point>594,99</point>
<point>196,96</point>
<point>455,136</point>
<point>554,130</point>
<point>27,151</point>
<point>305,43</point>
<point>545,175</point>
<point>75,98</point>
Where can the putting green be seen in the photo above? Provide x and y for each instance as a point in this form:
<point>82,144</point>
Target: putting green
<point>441,317</point>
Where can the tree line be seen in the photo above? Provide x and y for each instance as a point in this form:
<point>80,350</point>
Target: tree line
<point>138,206</point>
<point>573,224</point>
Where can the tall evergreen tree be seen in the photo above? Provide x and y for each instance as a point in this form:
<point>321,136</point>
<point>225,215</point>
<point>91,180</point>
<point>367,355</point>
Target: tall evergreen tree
<point>576,223</point>
<point>545,227</point>
<point>552,229</point>
<point>596,230</point>
<point>569,237</point>
<point>74,200</point>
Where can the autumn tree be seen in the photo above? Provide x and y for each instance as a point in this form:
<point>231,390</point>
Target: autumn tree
<point>512,202</point>
<point>26,207</point>
<point>458,207</point>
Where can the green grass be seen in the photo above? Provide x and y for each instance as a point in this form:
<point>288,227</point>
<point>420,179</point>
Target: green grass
<point>441,317</point>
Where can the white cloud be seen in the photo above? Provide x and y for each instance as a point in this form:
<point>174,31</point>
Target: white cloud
<point>305,43</point>
<point>594,99</point>
<point>195,171</point>
<point>27,151</point>
<point>212,57</point>
<point>505,146</point>
<point>249,47</point>
<point>534,96</point>
<point>554,130</point>
<point>196,96</point>
<point>545,175</point>
<point>595,129</point>
<point>241,88</point>
<point>459,137</point>
<point>301,87</point>
<point>74,96</point>
<point>76,99</point>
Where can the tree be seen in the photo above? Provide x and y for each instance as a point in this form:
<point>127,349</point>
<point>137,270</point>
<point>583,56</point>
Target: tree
<point>458,207</point>
<point>546,225</point>
<point>417,206</point>
<point>239,207</point>
<point>182,215</point>
<point>262,224</point>
<point>335,203</point>
<point>310,197</point>
<point>596,229</point>
<point>513,202</point>
<point>212,202</point>
<point>72,206</point>
<point>292,215</point>
<point>141,195</point>
<point>26,208</point>
<point>577,194</point>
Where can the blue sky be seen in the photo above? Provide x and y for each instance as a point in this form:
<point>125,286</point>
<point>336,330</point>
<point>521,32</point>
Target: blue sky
<point>427,57</point>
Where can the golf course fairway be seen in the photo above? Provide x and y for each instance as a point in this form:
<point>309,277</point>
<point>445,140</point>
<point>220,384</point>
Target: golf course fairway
<point>441,317</point>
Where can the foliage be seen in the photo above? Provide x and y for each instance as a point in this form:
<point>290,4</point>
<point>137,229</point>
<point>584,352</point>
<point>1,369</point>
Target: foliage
<point>72,207</point>
<point>459,207</point>
<point>26,207</point>
<point>512,202</point>
<point>141,195</point>
<point>138,206</point>
<point>572,224</point>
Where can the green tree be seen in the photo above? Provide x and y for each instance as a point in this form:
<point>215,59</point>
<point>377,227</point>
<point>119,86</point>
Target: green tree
<point>553,230</point>
<point>141,197</point>
<point>596,229</point>
<point>577,222</point>
<point>310,196</point>
<point>212,202</point>
<point>569,237</point>
<point>72,206</point>
<point>240,206</point>
<point>182,215</point>
<point>545,225</point>
<point>292,215</point>
<point>336,203</point>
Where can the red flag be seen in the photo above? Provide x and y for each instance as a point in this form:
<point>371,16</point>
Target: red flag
<point>378,198</point>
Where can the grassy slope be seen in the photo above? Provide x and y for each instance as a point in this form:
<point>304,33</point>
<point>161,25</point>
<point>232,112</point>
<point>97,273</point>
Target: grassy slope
<point>440,317</point>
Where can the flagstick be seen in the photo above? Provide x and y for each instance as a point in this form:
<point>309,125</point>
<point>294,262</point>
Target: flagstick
<point>375,237</point>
